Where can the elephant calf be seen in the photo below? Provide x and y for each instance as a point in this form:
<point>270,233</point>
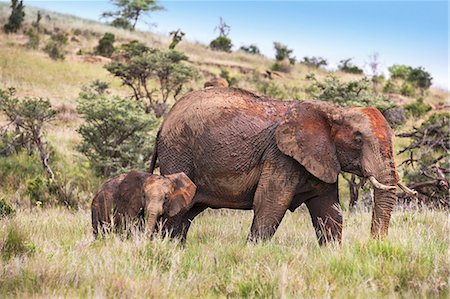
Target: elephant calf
<point>128,197</point>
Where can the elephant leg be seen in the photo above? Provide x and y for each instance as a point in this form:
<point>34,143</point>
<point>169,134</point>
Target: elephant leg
<point>326,215</point>
<point>272,198</point>
<point>180,230</point>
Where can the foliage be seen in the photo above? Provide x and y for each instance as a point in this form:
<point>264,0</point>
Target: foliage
<point>353,93</point>
<point>130,11</point>
<point>346,66</point>
<point>399,71</point>
<point>105,45</point>
<point>117,133</point>
<point>427,167</point>
<point>418,108</point>
<point>16,18</point>
<point>153,75</point>
<point>315,62</point>
<point>33,38</point>
<point>390,87</point>
<point>55,47</point>
<point>251,49</point>
<point>5,209</point>
<point>282,52</point>
<point>177,36</point>
<point>418,77</point>
<point>281,66</point>
<point>15,243</point>
<point>225,74</point>
<point>407,89</point>
<point>221,43</point>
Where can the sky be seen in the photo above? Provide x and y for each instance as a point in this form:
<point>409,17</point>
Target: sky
<point>413,33</point>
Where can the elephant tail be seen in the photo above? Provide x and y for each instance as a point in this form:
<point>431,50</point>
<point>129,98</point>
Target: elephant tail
<point>155,154</point>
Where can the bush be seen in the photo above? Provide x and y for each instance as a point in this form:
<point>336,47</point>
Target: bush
<point>5,208</point>
<point>315,62</point>
<point>15,243</point>
<point>353,93</point>
<point>283,53</point>
<point>252,49</point>
<point>390,87</point>
<point>346,66</point>
<point>117,133</point>
<point>16,18</point>
<point>225,74</point>
<point>282,66</point>
<point>33,38</point>
<point>407,89</point>
<point>418,108</point>
<point>221,43</point>
<point>426,168</point>
<point>105,45</point>
<point>415,76</point>
<point>55,47</point>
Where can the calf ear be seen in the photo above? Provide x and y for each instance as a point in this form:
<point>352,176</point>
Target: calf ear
<point>181,197</point>
<point>305,135</point>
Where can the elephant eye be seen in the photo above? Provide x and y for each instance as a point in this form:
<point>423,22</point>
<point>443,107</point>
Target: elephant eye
<point>358,140</point>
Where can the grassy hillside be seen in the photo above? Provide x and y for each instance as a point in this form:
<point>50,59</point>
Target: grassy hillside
<point>55,256</point>
<point>50,252</point>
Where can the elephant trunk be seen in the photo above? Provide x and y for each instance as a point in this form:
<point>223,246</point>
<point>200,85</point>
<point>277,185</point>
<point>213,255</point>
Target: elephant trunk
<point>385,197</point>
<point>151,224</point>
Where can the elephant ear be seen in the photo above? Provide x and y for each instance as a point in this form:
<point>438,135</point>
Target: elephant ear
<point>182,195</point>
<point>305,135</point>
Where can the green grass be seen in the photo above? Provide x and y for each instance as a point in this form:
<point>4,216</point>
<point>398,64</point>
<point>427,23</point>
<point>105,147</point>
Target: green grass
<point>57,256</point>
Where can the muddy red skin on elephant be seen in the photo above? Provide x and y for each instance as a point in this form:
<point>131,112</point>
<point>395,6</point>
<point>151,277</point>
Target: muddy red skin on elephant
<point>247,152</point>
<point>128,197</point>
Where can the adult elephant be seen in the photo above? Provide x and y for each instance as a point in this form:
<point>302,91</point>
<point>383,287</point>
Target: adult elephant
<point>248,152</point>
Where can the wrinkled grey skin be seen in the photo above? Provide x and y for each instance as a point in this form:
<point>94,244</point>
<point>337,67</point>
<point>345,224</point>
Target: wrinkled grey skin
<point>247,152</point>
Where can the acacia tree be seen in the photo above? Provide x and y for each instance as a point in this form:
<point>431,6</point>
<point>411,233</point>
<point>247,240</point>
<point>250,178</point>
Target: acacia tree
<point>153,75</point>
<point>16,18</point>
<point>130,11</point>
<point>222,42</point>
<point>26,120</point>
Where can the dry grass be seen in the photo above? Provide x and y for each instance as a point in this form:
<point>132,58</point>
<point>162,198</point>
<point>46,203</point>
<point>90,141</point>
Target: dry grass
<point>60,259</point>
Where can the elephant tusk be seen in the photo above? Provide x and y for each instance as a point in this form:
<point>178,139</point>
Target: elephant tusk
<point>379,185</point>
<point>408,191</point>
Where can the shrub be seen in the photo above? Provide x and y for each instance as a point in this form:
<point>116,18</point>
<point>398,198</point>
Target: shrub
<point>105,45</point>
<point>153,75</point>
<point>225,74</point>
<point>399,71</point>
<point>5,208</point>
<point>221,43</point>
<point>117,133</point>
<point>346,66</point>
<point>407,89</point>
<point>353,93</point>
<point>16,18</point>
<point>418,108</point>
<point>282,53</point>
<point>282,66</point>
<point>15,243</point>
<point>390,87</point>
<point>315,62</point>
<point>420,78</point>
<point>33,38</point>
<point>252,49</point>
<point>55,47</point>
<point>426,168</point>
